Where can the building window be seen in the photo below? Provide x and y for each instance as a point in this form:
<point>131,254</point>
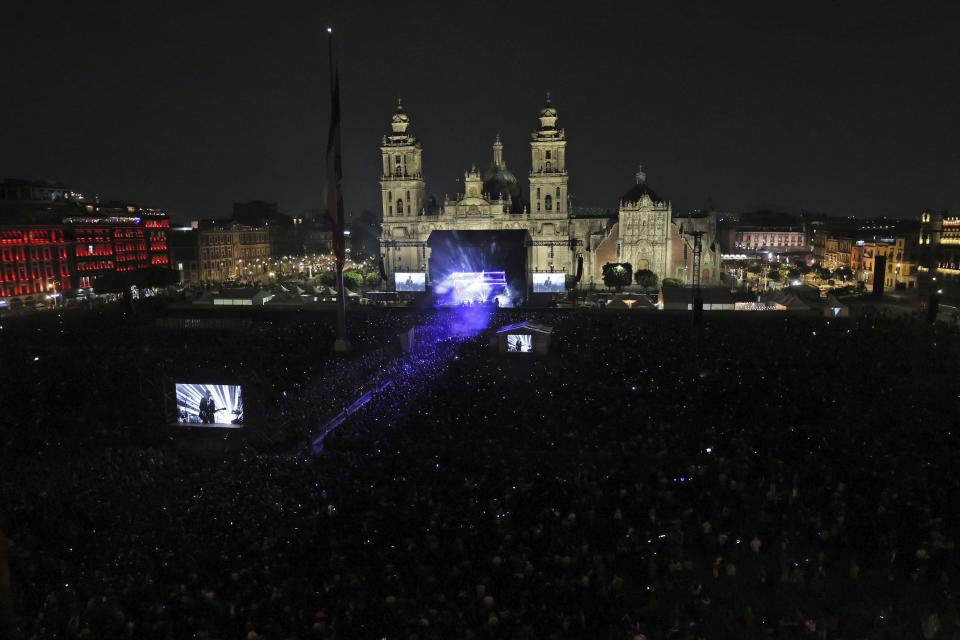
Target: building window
<point>548,203</point>
<point>538,193</point>
<point>400,206</point>
<point>538,205</point>
<point>548,154</point>
<point>558,194</point>
<point>548,165</point>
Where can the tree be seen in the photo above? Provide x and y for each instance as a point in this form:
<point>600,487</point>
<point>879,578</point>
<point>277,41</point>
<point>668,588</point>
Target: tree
<point>646,278</point>
<point>372,280</point>
<point>328,278</point>
<point>844,273</point>
<point>571,282</point>
<point>352,280</point>
<point>823,273</point>
<point>803,268</point>
<point>755,268</point>
<point>617,274</point>
<point>672,282</point>
<point>775,275</point>
<point>794,272</point>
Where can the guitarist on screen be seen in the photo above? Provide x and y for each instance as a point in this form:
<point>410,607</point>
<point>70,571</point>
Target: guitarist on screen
<point>208,409</point>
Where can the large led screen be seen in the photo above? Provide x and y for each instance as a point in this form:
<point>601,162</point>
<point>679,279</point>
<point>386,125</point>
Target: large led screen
<point>416,281</point>
<point>520,343</point>
<point>209,405</point>
<point>549,282</point>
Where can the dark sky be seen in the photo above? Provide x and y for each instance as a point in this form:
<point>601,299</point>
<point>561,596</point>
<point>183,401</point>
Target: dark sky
<point>843,107</point>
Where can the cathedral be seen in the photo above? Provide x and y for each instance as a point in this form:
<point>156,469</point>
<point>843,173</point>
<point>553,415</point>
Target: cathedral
<point>551,235</point>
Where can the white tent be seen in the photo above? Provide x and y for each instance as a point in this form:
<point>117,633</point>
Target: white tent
<point>242,297</point>
<point>787,299</point>
<point>835,309</point>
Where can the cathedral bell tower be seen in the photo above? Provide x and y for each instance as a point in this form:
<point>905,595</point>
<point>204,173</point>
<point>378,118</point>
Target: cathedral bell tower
<point>401,169</point>
<point>549,201</point>
<point>402,195</point>
<point>548,169</point>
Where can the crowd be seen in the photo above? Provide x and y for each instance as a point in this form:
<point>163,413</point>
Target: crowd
<point>761,476</point>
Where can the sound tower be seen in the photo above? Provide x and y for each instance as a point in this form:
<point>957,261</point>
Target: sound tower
<point>933,306</point>
<point>697,307</point>
<point>879,274</point>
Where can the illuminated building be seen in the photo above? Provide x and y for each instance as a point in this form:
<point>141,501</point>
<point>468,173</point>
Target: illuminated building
<point>938,245</point>
<point>491,200</point>
<point>764,232</point>
<point>836,252</point>
<point>550,234</point>
<point>34,263</point>
<point>117,238</point>
<point>55,243</point>
<point>903,266</point>
<point>643,229</point>
<point>899,262</point>
<point>218,253</point>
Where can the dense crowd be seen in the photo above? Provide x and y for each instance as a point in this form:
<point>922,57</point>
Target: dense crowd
<point>759,476</point>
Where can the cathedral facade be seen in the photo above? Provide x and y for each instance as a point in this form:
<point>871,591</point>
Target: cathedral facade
<point>558,239</point>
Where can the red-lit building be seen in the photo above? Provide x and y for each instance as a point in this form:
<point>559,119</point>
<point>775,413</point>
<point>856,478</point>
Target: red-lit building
<point>34,261</point>
<point>52,241</point>
<point>37,261</point>
<point>134,241</point>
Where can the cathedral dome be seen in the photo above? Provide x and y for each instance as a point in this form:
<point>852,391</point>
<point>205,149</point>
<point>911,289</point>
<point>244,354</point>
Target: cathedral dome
<point>637,191</point>
<point>498,182</point>
<point>640,189</point>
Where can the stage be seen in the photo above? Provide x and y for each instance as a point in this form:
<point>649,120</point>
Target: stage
<point>478,266</point>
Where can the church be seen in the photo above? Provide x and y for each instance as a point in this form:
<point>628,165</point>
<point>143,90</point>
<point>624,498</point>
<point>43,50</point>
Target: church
<point>539,229</point>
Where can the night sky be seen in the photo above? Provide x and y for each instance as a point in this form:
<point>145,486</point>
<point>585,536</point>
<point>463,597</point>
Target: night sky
<point>848,109</point>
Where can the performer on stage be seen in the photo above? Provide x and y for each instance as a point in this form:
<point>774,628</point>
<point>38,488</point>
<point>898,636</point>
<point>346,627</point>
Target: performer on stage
<point>207,409</point>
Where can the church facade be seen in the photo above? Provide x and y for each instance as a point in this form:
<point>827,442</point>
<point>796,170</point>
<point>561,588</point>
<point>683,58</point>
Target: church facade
<point>642,232</point>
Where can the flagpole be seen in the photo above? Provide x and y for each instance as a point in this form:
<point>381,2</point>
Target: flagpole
<point>335,197</point>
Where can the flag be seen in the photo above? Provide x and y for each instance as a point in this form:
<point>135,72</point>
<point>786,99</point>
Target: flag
<point>335,172</point>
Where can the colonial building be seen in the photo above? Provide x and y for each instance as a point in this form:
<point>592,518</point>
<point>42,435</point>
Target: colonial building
<point>34,260</point>
<point>557,238</point>
<point>645,229</point>
<point>491,200</point>
<point>218,253</point>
